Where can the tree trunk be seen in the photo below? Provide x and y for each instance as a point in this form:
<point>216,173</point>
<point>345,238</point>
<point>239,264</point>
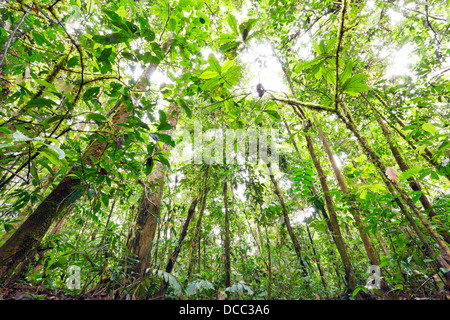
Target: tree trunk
<point>287,221</point>
<point>414,184</point>
<point>426,154</point>
<point>195,246</point>
<point>269,257</point>
<point>354,210</point>
<point>227,237</point>
<point>370,153</point>
<point>317,260</point>
<point>336,231</point>
<point>173,257</point>
<point>140,241</point>
<point>32,231</point>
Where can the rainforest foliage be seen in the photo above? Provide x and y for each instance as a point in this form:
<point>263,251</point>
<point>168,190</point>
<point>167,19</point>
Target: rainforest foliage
<point>101,193</point>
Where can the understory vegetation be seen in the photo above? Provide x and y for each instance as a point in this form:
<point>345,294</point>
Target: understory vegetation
<point>122,122</point>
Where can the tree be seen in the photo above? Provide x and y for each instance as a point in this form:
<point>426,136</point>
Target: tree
<point>99,101</point>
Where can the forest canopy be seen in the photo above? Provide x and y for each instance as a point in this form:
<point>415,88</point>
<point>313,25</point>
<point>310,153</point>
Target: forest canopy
<point>199,149</point>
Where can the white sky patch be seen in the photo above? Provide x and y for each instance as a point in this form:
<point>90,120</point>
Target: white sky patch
<point>242,14</point>
<point>303,47</point>
<point>263,67</point>
<point>395,17</point>
<point>240,191</point>
<point>300,215</point>
<point>207,51</point>
<point>337,160</point>
<point>400,61</point>
<point>157,79</point>
<point>370,5</point>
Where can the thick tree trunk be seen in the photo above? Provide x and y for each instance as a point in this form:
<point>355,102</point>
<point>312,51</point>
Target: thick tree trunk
<point>32,231</point>
<point>140,241</point>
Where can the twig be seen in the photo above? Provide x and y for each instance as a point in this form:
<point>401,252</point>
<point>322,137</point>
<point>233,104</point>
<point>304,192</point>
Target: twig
<point>15,174</point>
<point>8,43</point>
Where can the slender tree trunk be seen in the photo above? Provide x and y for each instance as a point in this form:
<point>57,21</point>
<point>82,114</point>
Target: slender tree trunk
<point>227,237</point>
<point>414,184</point>
<point>382,169</point>
<point>195,246</point>
<point>317,259</point>
<point>371,155</point>
<point>336,231</point>
<point>426,154</point>
<point>287,221</point>
<point>173,257</point>
<point>269,257</point>
<point>354,210</point>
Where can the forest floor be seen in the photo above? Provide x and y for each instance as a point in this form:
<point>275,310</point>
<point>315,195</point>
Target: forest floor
<point>27,292</point>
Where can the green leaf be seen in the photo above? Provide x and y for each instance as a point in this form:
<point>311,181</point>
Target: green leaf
<point>50,155</point>
<point>211,83</point>
<point>316,47</point>
<point>233,74</point>
<point>164,126</point>
<point>45,84</point>
<point>5,130</point>
<point>429,128</point>
<point>227,65</point>
<point>166,139</point>
<point>405,175</point>
<point>41,102</point>
<point>172,24</point>
<point>185,107</point>
<point>355,292</point>
<point>96,117</point>
<point>105,54</point>
<point>61,153</point>
<point>113,38</point>
<point>19,136</point>
<point>91,93</point>
<point>330,76</point>
<point>75,196</point>
<point>355,85</point>
<point>363,194</point>
<point>214,107</point>
<point>208,75</point>
<point>233,24</point>
<point>105,199</point>
<point>273,114</point>
<point>307,64</point>
<point>259,119</point>
<point>163,160</point>
<point>214,63</point>
<point>347,72</point>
